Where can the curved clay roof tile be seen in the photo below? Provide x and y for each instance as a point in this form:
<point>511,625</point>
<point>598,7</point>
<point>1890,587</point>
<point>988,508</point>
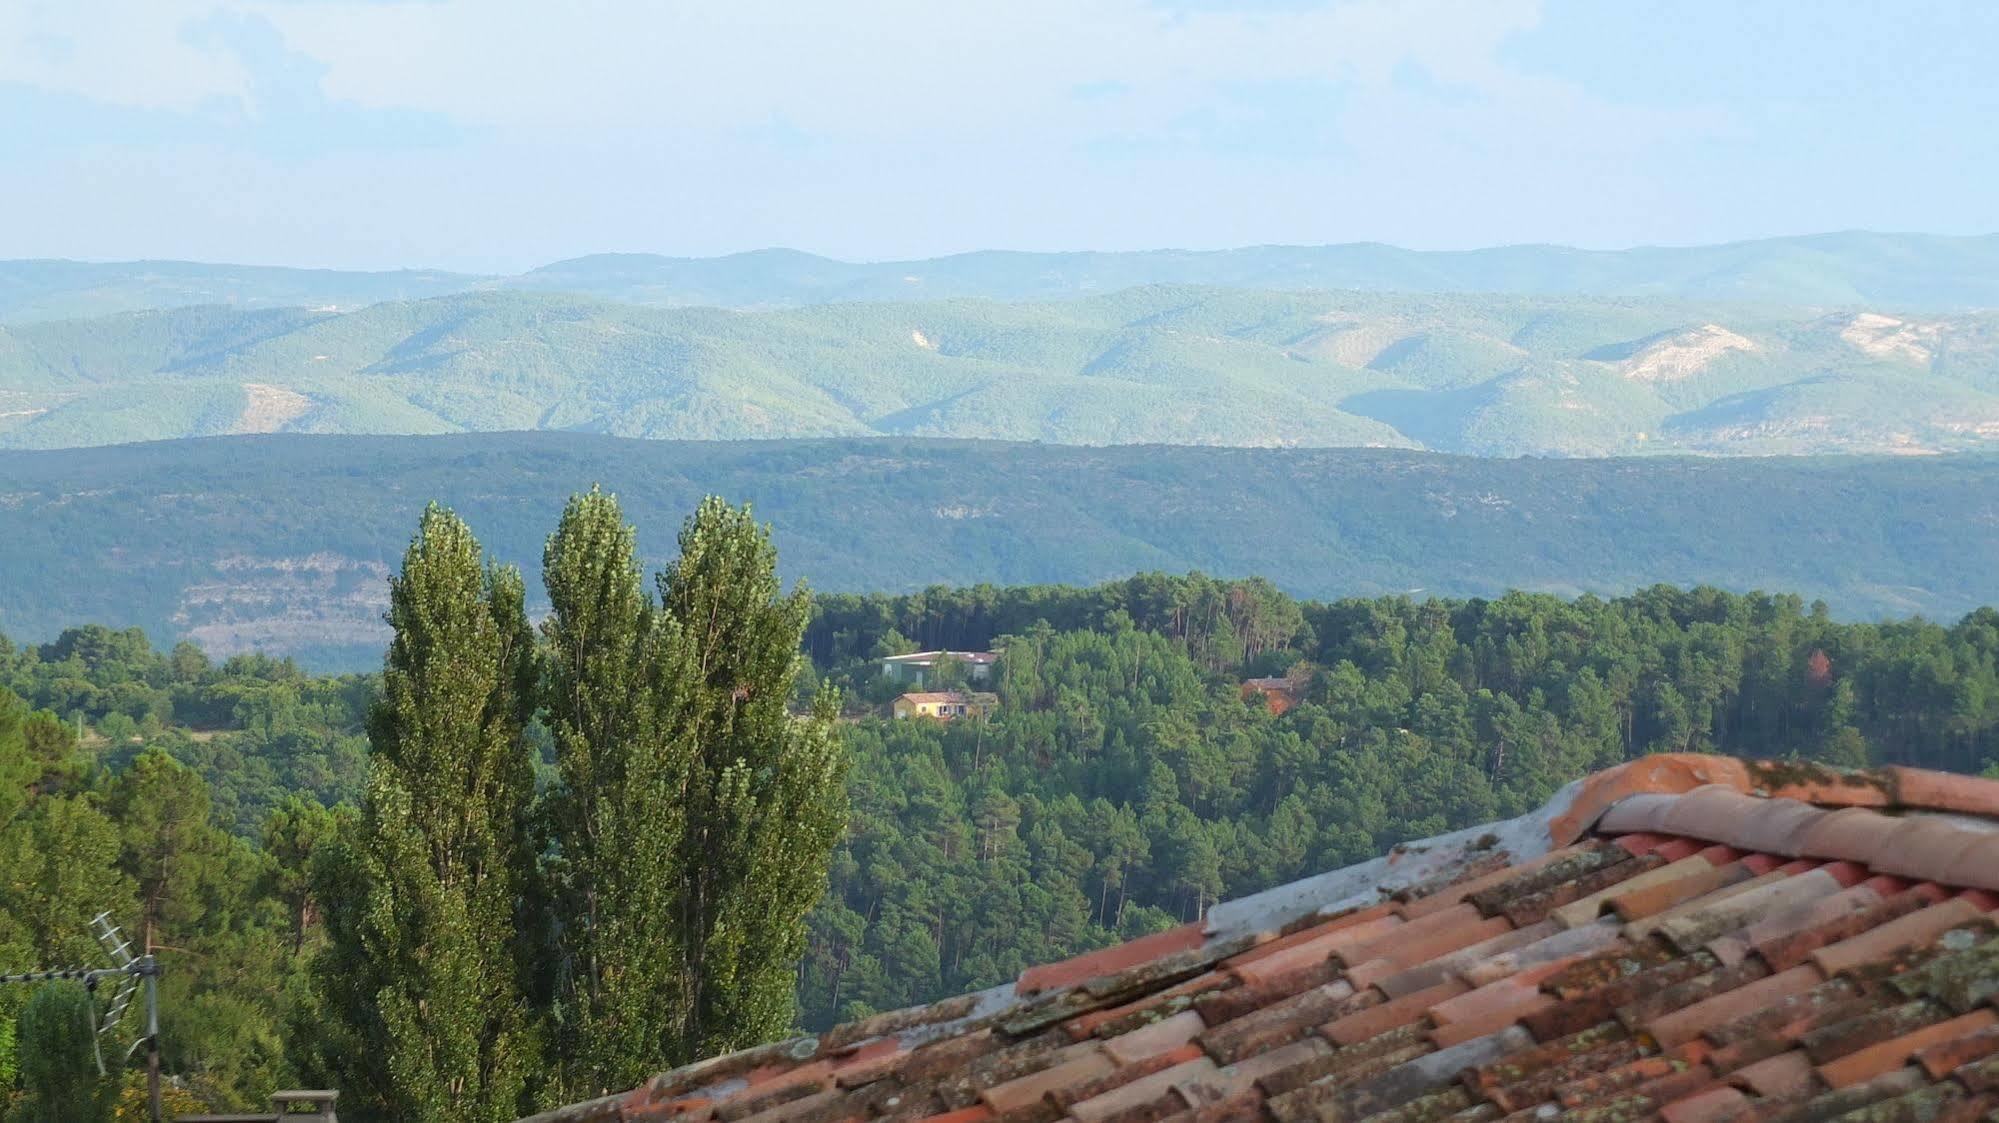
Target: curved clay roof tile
<point>1779,827</point>
<point>1714,812</point>
<point>1851,833</point>
<point>1924,850</point>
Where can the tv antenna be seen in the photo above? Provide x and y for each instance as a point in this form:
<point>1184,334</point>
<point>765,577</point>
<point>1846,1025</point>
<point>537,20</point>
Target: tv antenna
<point>132,973</point>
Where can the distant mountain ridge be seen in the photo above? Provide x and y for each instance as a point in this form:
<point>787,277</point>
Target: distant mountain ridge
<point>284,543</point>
<point>1495,375</point>
<point>1897,272</point>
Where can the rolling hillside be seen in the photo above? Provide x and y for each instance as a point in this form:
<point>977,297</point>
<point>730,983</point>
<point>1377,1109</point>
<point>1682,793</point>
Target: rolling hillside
<point>1904,272</point>
<point>284,543</point>
<point>1480,375</point>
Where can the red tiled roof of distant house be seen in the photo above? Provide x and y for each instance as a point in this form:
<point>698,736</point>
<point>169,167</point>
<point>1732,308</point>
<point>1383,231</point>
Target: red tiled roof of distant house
<point>1279,694</point>
<point>1683,938</point>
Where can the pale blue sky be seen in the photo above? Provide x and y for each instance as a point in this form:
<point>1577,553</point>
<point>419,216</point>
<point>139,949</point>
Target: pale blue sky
<point>498,134</point>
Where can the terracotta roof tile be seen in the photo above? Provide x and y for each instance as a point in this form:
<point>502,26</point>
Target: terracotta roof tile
<point>1778,826</point>
<point>1884,1022</point>
<point>1911,930</point>
<point>1979,1076</point>
<point>1976,865</point>
<point>1943,791</point>
<point>1698,926</point>
<point>1778,1077</point>
<point>1601,1001</point>
<point>1673,849</point>
<point>1987,900</point>
<point>1313,951</point>
<point>1081,1063</point>
<point>1461,890</point>
<point>1785,951</point>
<point>1945,1057</point>
<point>1924,849</point>
<point>1875,1060</point>
<point>1687,1023</point>
<point>1393,939</point>
<point>1709,1106</point>
<point>1644,927</point>
<point>1560,948</point>
<point>1799,941</point>
<point>1144,1090</point>
<point>977,1113</point>
<point>1561,865</point>
<point>1777,926</point>
<point>1665,773</point>
<point>1280,1023</point>
<point>1110,960</point>
<point>1306,934</point>
<point>1586,909</point>
<point>1356,1028</point>
<point>1147,1008</point>
<point>1436,970</point>
<point>1764,1032</point>
<point>1159,1037</point>
<point>1637,843</point>
<point>1654,899</point>
<point>1851,833</point>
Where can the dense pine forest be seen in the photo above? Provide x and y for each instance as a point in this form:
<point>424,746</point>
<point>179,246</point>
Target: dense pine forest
<point>1124,783</point>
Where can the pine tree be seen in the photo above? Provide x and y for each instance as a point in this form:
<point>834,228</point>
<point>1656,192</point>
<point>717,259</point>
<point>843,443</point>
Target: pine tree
<point>421,984</point>
<point>765,798</point>
<point>613,669</point>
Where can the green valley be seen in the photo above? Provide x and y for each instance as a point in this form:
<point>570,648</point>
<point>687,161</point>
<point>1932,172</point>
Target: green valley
<point>283,543</point>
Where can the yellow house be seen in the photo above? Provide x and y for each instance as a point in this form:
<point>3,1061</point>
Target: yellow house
<point>944,705</point>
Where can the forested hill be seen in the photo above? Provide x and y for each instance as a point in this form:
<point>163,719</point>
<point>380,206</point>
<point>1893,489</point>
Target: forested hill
<point>1489,375</point>
<point>284,543</point>
<point>1906,271</point>
<point>1123,784</point>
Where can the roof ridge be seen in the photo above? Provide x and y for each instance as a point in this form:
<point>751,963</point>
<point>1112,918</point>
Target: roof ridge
<point>1890,787</point>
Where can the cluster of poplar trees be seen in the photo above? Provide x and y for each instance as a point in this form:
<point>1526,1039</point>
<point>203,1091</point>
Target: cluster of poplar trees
<point>495,943</point>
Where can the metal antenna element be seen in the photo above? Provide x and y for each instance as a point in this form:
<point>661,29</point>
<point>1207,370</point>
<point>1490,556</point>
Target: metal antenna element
<point>120,952</point>
<point>133,972</point>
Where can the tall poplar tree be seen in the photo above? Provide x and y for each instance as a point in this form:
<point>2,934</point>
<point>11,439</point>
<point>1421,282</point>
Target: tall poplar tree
<point>421,983</point>
<point>765,796</point>
<point>613,666</point>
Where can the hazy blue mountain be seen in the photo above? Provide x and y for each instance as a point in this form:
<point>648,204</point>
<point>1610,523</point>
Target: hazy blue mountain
<point>36,290</point>
<point>284,542</point>
<point>1481,374</point>
<point>1901,271</point>
<point>1895,272</point>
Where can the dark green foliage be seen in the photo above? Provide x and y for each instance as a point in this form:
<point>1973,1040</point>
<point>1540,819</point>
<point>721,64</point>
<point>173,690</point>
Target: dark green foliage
<point>615,706</point>
<point>425,974</point>
<point>1124,783</point>
<point>765,797</point>
<point>59,1079</point>
<point>211,536</point>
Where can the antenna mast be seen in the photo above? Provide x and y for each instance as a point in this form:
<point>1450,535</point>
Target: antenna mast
<point>135,972</point>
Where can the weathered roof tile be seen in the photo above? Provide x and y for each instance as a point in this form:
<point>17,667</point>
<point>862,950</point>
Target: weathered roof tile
<point>1911,930</point>
<point>1874,1060</point>
<point>1800,942</point>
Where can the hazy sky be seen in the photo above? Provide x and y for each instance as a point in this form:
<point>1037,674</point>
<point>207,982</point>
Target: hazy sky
<point>497,134</point>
